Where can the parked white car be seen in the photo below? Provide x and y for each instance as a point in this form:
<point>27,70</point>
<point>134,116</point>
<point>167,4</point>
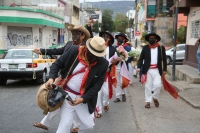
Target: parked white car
<point>24,64</point>
<point>180,53</point>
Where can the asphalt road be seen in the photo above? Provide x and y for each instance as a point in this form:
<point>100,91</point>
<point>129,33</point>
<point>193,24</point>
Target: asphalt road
<point>18,112</point>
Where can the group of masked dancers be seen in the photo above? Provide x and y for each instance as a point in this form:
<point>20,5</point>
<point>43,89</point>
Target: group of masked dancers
<point>96,73</point>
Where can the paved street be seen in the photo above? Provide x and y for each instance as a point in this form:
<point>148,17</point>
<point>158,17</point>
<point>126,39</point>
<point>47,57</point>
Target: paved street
<point>19,111</point>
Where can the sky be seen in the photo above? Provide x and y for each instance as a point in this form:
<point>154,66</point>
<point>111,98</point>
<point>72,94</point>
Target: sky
<point>81,1</point>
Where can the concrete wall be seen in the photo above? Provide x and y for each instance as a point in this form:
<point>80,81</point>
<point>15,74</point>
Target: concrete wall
<point>162,25</point>
<point>40,36</point>
<point>193,16</point>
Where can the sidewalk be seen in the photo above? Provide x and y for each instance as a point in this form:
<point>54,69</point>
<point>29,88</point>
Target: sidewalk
<point>187,84</point>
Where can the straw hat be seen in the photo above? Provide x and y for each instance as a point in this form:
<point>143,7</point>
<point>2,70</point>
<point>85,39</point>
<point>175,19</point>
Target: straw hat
<point>80,28</point>
<point>41,99</point>
<point>152,34</point>
<point>96,46</point>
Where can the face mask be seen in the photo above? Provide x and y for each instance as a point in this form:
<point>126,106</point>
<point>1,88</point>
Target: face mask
<point>91,58</point>
<point>119,41</point>
<point>152,41</point>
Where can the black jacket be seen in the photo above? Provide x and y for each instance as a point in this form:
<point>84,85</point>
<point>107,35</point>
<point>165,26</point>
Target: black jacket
<point>146,56</point>
<point>95,77</point>
<point>112,50</point>
<point>58,51</point>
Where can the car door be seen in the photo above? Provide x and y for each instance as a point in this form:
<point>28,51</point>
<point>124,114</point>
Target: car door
<point>180,52</point>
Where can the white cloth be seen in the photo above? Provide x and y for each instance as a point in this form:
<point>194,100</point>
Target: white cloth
<point>75,82</point>
<point>48,118</point>
<point>104,90</point>
<point>118,90</point>
<point>153,83</point>
<point>154,55</point>
<point>131,71</point>
<point>67,115</point>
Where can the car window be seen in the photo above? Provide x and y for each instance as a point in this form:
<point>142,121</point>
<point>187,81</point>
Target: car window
<point>20,54</point>
<point>179,48</point>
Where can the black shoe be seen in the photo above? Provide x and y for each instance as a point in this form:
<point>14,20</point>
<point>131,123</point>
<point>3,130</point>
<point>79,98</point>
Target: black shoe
<point>124,98</point>
<point>117,100</point>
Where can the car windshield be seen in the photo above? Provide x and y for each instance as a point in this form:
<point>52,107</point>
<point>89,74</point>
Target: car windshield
<point>20,54</point>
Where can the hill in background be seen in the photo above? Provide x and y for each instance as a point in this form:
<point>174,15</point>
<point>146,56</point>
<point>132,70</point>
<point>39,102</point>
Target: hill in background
<point>116,6</point>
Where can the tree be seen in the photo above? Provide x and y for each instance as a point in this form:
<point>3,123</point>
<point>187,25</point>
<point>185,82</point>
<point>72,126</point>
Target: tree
<point>121,22</point>
<point>96,27</point>
<point>181,34</point>
<point>107,22</point>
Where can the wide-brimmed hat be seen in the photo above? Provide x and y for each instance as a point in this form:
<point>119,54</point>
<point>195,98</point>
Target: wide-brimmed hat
<point>80,28</point>
<point>107,32</point>
<point>96,46</point>
<point>122,34</point>
<point>42,100</point>
<point>152,34</point>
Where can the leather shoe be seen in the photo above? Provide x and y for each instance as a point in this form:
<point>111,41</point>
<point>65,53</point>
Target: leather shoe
<point>124,98</point>
<point>117,100</point>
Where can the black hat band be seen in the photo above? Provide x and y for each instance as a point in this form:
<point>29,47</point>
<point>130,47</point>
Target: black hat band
<point>95,49</point>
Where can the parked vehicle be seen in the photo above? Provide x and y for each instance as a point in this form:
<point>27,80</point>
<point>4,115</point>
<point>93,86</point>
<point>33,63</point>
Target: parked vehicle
<point>180,53</point>
<point>25,64</point>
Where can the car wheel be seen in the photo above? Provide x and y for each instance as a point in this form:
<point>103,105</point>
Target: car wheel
<point>42,78</point>
<point>168,60</point>
<point>3,81</point>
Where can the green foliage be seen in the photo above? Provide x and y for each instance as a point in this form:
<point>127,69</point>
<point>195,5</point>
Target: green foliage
<point>96,27</point>
<point>181,34</point>
<point>121,22</point>
<point>107,22</point>
<point>143,37</point>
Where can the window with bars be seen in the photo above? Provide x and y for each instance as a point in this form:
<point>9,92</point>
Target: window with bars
<point>195,29</point>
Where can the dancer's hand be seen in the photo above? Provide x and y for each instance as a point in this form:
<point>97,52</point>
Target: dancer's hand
<point>37,51</point>
<point>49,83</point>
<point>76,101</point>
<point>164,73</point>
<point>138,71</point>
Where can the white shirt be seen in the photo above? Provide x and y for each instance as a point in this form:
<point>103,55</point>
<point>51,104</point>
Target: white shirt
<point>154,55</point>
<point>75,82</point>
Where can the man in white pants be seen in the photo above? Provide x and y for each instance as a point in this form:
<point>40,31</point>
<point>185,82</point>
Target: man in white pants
<point>87,68</point>
<point>79,36</point>
<point>154,67</point>
<point>106,89</point>
<point>120,92</point>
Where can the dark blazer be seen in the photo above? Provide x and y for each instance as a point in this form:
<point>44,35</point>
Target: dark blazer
<point>58,51</point>
<point>112,50</point>
<point>95,77</point>
<point>146,56</point>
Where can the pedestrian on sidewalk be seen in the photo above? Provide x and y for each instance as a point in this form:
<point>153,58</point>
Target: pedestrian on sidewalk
<point>154,67</point>
<point>198,53</point>
<point>87,68</point>
<point>106,89</point>
<point>120,92</point>
<point>79,36</point>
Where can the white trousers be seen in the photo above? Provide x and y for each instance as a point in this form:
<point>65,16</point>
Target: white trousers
<point>153,83</point>
<point>130,67</point>
<point>105,92</point>
<point>48,118</point>
<point>118,90</point>
<point>68,112</point>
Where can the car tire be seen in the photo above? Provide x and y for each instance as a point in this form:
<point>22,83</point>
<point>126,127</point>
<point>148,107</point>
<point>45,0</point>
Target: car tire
<point>3,81</point>
<point>168,60</point>
<point>42,78</point>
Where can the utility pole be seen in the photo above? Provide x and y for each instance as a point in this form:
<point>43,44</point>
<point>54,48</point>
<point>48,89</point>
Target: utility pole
<point>175,37</point>
<point>136,17</point>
